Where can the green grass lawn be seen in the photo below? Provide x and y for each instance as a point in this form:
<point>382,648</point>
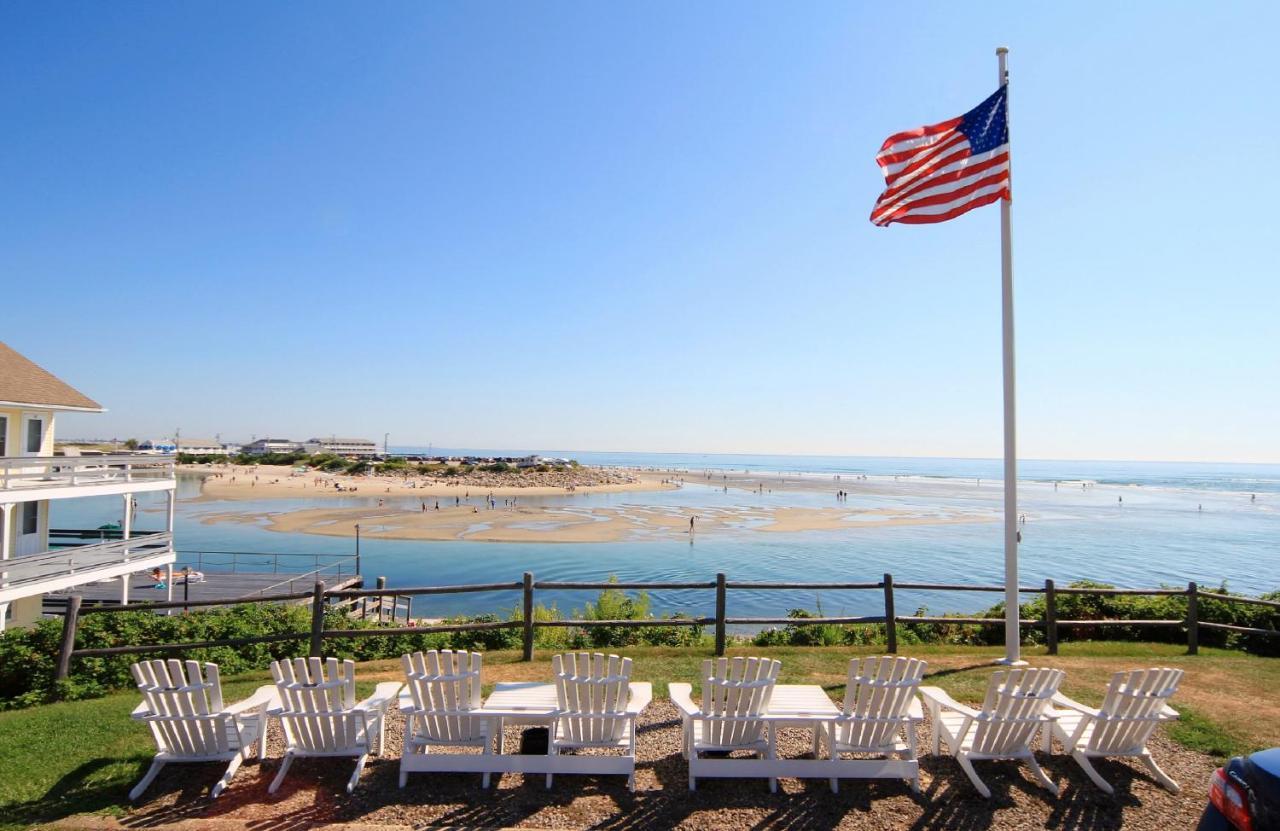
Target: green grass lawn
<point>63,759</point>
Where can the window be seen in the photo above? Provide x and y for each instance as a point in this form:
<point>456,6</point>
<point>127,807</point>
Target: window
<point>4,435</point>
<point>35,432</point>
<point>30,517</point>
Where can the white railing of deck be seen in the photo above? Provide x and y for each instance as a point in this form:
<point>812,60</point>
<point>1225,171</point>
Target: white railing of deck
<point>73,471</point>
<point>37,567</point>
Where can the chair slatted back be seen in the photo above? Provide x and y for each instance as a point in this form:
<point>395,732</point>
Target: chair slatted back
<point>1013,710</point>
<point>592,690</point>
<point>876,699</point>
<point>442,683</point>
<point>317,698</point>
<point>733,690</point>
<point>1131,709</point>
<point>185,703</point>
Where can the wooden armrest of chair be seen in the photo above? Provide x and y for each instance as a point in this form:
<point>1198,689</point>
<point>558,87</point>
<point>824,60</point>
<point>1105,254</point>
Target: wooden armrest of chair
<point>264,696</point>
<point>641,695</point>
<point>383,695</point>
<point>915,712</point>
<point>939,696</point>
<point>141,711</point>
<point>1167,713</point>
<point>404,701</point>
<point>682,696</point>
<point>1060,700</point>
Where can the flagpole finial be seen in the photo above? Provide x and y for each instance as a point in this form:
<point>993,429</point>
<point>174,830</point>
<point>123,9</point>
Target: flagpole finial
<point>1002,50</point>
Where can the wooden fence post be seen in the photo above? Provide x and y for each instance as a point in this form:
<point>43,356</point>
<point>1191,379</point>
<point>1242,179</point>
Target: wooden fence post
<point>382,598</point>
<point>1051,617</point>
<point>69,624</point>
<point>720,614</point>
<point>1193,620</point>
<point>317,621</point>
<point>890,616</point>
<point>528,616</point>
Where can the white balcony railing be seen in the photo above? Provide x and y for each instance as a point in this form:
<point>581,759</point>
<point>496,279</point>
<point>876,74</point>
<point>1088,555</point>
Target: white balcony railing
<point>17,472</point>
<point>84,559</point>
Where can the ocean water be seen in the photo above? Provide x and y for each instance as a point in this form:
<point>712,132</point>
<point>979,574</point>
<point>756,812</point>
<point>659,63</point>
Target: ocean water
<point>1177,522</point>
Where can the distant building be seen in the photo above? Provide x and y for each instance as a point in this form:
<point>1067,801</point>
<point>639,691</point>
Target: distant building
<point>231,448</point>
<point>341,447</point>
<point>196,447</point>
<point>264,446</point>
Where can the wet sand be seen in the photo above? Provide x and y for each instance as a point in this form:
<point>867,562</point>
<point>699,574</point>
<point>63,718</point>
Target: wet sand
<point>570,524</point>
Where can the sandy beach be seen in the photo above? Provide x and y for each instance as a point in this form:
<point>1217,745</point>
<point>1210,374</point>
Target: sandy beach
<point>226,482</point>
<point>573,525</point>
<point>419,508</point>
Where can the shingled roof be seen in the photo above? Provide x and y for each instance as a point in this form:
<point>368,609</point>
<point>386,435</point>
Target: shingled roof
<point>22,382</point>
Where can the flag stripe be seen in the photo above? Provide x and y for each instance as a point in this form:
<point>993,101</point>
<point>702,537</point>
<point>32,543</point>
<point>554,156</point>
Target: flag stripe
<point>953,172</point>
<point>953,156</point>
<point>924,158</point>
<point>941,196</point>
<point>938,172</point>
<point>946,195</point>
<point>907,149</point>
<point>925,219</point>
<point>920,132</point>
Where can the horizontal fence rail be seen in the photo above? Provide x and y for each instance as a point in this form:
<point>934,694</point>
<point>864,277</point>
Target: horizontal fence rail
<point>357,602</point>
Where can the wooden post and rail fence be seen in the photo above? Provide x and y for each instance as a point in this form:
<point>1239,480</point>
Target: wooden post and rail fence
<point>322,599</point>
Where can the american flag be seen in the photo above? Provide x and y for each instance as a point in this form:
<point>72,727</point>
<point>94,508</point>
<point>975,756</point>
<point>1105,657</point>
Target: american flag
<point>936,173</point>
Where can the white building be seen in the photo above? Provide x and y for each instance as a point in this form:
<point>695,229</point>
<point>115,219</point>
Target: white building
<point>261,447</point>
<point>31,477</point>
<point>341,447</point>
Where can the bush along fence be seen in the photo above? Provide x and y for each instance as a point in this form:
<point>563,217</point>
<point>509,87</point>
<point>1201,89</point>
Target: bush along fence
<point>326,625</point>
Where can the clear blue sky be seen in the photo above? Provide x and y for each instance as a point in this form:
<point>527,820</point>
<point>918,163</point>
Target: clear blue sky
<point>642,227</point>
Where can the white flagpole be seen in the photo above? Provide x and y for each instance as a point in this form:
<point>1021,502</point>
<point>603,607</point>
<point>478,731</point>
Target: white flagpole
<point>1012,634</point>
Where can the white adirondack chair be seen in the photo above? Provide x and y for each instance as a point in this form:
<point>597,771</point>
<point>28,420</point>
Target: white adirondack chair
<point>320,716</point>
<point>1005,728</point>
<point>880,711</point>
<point>182,705</point>
<point>1135,704</point>
<point>438,704</point>
<point>596,709</point>
<point>735,694</point>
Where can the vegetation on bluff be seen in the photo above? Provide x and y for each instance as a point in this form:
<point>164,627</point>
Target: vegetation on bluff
<point>27,655</point>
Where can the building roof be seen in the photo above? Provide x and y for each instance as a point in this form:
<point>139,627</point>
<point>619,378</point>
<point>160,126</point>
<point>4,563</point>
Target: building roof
<point>23,382</point>
<point>340,440</point>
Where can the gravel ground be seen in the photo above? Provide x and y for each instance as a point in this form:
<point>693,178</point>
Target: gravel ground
<point>314,793</point>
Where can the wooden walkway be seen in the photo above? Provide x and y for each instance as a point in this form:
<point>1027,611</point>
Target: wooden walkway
<point>227,586</point>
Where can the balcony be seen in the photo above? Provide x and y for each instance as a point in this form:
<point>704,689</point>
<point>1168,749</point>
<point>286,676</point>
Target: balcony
<point>67,567</point>
<point>30,478</point>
